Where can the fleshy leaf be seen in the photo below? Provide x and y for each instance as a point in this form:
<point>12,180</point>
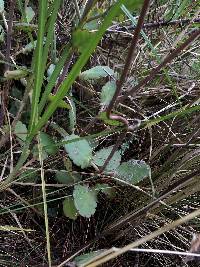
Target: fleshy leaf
<point>69,208</point>
<point>101,156</point>
<point>107,92</point>
<point>96,73</point>
<point>79,151</point>
<point>30,13</point>
<point>133,171</point>
<point>85,200</point>
<point>21,131</point>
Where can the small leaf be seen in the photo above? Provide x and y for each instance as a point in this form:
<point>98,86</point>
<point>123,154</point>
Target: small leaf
<point>82,260</point>
<point>21,131</point>
<point>62,103</point>
<point>2,34</point>
<point>30,13</point>
<point>103,116</point>
<point>79,151</point>
<point>96,73</point>
<point>35,153</point>
<point>101,156</point>
<point>1,6</point>
<point>67,177</point>
<point>106,189</point>
<point>133,171</point>
<point>72,115</point>
<point>107,92</point>
<point>85,200</point>
<point>50,70</point>
<point>48,144</point>
<point>15,74</point>
<point>69,208</point>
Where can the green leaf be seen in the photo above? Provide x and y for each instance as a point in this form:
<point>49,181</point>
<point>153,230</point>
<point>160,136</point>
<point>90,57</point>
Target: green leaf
<point>1,6</point>
<point>79,151</point>
<point>101,156</point>
<point>30,14</point>
<point>50,71</point>
<point>107,92</point>
<point>133,5</point>
<point>28,176</point>
<point>96,73</point>
<point>48,144</point>
<point>80,39</point>
<point>67,177</point>
<point>2,34</point>
<point>15,74</point>
<point>62,103</point>
<point>72,115</point>
<point>106,189</point>
<point>21,131</point>
<point>133,171</point>
<point>35,153</point>
<point>103,116</point>
<point>69,208</point>
<point>85,200</point>
<point>82,260</point>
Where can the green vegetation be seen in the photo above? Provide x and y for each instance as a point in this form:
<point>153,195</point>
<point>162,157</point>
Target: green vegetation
<point>99,123</point>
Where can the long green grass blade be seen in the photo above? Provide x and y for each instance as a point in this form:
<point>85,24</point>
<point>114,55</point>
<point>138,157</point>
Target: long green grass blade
<point>38,63</point>
<point>64,56</point>
<point>77,68</point>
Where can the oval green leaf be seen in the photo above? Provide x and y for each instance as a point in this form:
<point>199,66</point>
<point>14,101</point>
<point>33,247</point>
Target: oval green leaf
<point>101,156</point>
<point>133,171</point>
<point>69,208</point>
<point>85,200</point>
<point>79,151</point>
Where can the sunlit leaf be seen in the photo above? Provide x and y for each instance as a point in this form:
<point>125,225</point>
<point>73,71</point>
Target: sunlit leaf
<point>85,200</point>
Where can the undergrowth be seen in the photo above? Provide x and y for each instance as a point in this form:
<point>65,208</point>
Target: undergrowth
<point>99,126</point>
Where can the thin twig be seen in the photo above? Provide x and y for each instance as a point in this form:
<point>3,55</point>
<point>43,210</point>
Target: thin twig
<point>129,56</point>
<point>155,71</point>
